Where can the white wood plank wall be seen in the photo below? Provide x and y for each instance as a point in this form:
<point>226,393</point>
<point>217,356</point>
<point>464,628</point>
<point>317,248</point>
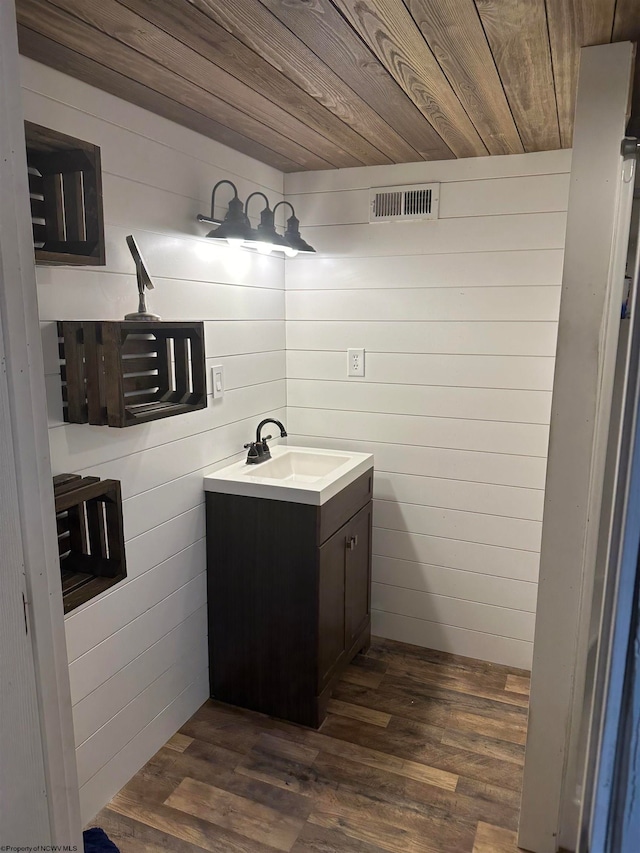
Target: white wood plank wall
<point>458,319</point>
<point>138,654</point>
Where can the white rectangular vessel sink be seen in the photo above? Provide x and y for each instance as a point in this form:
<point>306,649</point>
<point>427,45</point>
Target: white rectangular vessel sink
<point>297,474</point>
<point>299,467</point>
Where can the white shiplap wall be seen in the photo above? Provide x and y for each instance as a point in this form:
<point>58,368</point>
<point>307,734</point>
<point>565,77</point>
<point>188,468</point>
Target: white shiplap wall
<point>138,655</point>
<point>458,318</point>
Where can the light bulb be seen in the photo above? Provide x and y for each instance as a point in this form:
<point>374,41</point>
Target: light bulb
<point>290,252</point>
<point>265,248</point>
<point>236,242</point>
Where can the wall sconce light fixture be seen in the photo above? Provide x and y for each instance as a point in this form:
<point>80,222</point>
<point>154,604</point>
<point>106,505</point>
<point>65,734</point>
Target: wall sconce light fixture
<point>236,228</point>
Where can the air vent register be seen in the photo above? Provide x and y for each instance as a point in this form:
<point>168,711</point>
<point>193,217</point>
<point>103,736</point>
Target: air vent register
<point>405,203</point>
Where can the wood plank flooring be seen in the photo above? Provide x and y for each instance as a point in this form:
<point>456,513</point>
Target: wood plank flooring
<point>421,752</point>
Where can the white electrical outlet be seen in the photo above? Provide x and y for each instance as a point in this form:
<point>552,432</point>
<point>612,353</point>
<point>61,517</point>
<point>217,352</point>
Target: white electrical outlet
<point>355,362</point>
<point>217,378</point>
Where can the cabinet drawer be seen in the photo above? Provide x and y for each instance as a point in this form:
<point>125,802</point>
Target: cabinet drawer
<point>344,505</point>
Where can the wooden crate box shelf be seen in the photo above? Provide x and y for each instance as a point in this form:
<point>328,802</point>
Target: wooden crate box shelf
<point>121,373</point>
<point>90,536</point>
<point>65,187</point>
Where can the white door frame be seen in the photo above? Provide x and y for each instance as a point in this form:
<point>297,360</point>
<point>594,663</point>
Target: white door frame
<point>592,290</point>
<point>34,538</point>
<point>608,800</point>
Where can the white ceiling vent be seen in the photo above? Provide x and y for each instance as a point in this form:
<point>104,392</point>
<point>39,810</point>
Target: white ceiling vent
<point>392,204</point>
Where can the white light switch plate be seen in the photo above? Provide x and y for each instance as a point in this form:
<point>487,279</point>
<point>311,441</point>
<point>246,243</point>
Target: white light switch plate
<point>217,378</point>
<point>355,362</point>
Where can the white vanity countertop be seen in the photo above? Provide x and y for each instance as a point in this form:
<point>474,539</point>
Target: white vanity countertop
<point>305,475</point>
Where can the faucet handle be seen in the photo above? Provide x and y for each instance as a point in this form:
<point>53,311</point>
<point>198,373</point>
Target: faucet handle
<point>263,447</point>
<point>254,453</point>
<point>266,438</point>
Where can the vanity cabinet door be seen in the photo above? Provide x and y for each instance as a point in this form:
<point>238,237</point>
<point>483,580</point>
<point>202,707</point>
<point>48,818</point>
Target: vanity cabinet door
<point>357,601</point>
<point>331,611</point>
<point>344,601</point>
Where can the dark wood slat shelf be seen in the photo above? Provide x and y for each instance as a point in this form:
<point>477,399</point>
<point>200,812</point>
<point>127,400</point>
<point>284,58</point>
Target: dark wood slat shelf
<point>121,373</point>
<point>65,187</point>
<point>90,536</point>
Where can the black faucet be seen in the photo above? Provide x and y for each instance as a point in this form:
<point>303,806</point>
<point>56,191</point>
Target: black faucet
<point>259,449</point>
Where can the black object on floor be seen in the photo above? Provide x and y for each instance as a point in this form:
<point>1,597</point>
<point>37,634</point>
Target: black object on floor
<point>97,841</point>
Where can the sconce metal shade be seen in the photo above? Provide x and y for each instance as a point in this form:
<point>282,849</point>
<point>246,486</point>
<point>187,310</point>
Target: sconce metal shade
<point>293,237</point>
<point>235,225</point>
<point>265,235</point>
<point>292,234</point>
<point>266,231</point>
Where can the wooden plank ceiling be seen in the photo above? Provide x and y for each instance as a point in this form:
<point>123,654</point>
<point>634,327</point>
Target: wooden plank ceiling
<point>321,84</point>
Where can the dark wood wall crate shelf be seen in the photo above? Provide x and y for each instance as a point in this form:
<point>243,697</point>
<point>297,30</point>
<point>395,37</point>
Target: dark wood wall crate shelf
<point>121,373</point>
<point>65,187</point>
<point>90,536</point>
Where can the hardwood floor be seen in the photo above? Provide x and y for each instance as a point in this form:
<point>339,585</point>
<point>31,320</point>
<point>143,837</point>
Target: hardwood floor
<point>421,752</point>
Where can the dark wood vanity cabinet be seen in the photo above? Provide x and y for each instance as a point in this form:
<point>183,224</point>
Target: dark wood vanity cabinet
<point>289,592</point>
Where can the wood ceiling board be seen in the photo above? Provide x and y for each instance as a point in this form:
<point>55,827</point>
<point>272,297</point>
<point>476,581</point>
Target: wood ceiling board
<point>574,24</point>
<point>320,84</point>
<point>128,28</point>
<point>389,30</point>
<point>454,33</point>
<point>626,23</point>
<point>626,27</point>
<point>323,30</point>
<point>66,29</point>
<point>188,24</point>
<point>55,55</point>
<point>523,58</point>
<point>249,22</point>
